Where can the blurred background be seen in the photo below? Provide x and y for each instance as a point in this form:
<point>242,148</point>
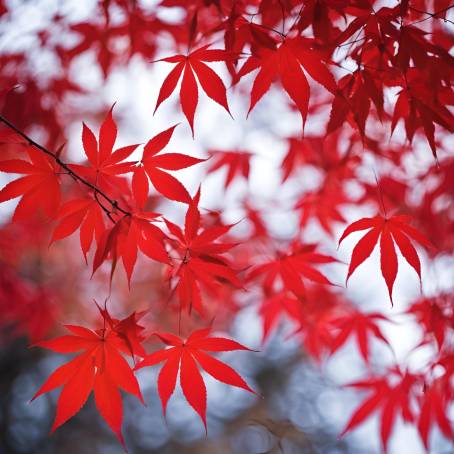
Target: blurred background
<point>61,65</point>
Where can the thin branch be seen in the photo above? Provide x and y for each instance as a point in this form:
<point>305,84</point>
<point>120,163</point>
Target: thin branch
<point>265,27</point>
<point>68,169</point>
<point>433,15</point>
<point>296,18</point>
<point>104,208</point>
<point>283,16</point>
<point>380,195</point>
<point>352,42</point>
<point>355,39</point>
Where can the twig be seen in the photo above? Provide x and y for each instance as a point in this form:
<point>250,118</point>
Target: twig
<point>433,15</point>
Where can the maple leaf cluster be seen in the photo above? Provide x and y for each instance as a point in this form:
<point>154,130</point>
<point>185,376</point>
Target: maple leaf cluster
<point>361,82</point>
<point>103,368</point>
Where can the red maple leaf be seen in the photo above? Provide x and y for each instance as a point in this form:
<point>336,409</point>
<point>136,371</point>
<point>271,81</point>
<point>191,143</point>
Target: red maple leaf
<point>129,331</point>
<point>236,162</point>
<point>318,14</point>
<point>388,230</point>
<point>322,205</point>
<point>100,368</point>
<point>96,37</point>
<point>186,356</point>
<point>202,259</point>
<point>39,188</point>
<point>435,315</point>
<point>418,107</point>
<point>85,213</point>
<point>354,97</point>
<point>291,267</point>
<point>104,163</point>
<point>129,235</point>
<point>275,307</point>
<point>315,329</point>
<point>321,152</point>
<point>392,393</point>
<point>434,409</point>
<point>286,60</point>
<point>190,66</point>
<point>154,164</point>
<point>360,325</point>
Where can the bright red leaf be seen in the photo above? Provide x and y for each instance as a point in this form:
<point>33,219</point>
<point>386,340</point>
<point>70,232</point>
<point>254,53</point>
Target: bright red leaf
<point>361,326</point>
<point>390,231</point>
<point>100,368</point>
<point>391,397</point>
<point>104,163</point>
<point>275,307</point>
<point>129,235</point>
<point>83,213</point>
<point>237,164</point>
<point>286,61</point>
<point>202,258</point>
<point>434,410</point>
<point>186,356</point>
<point>39,188</point>
<point>190,66</point>
<point>155,166</point>
<point>291,267</point>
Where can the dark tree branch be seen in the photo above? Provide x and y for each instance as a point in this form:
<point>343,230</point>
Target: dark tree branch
<point>97,192</point>
<point>433,15</point>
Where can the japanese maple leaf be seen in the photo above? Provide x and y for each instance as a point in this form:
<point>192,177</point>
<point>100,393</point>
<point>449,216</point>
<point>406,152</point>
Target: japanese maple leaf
<point>360,325</point>
<point>392,394</point>
<point>186,356</point>
<point>95,37</point>
<point>129,331</point>
<point>190,66</point>
<point>39,187</point>
<point>202,259</point>
<point>291,267</point>
<point>392,193</point>
<point>153,165</point>
<point>83,213</point>
<point>419,108</point>
<point>434,409</point>
<point>370,22</point>
<point>323,152</point>
<point>315,329</point>
<point>318,15</point>
<point>395,229</point>
<point>275,307</point>
<point>434,314</point>
<point>322,205</point>
<point>354,97</point>
<point>100,368</point>
<point>286,61</point>
<point>104,163</point>
<point>129,235</point>
<point>236,163</point>
<point>413,45</point>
